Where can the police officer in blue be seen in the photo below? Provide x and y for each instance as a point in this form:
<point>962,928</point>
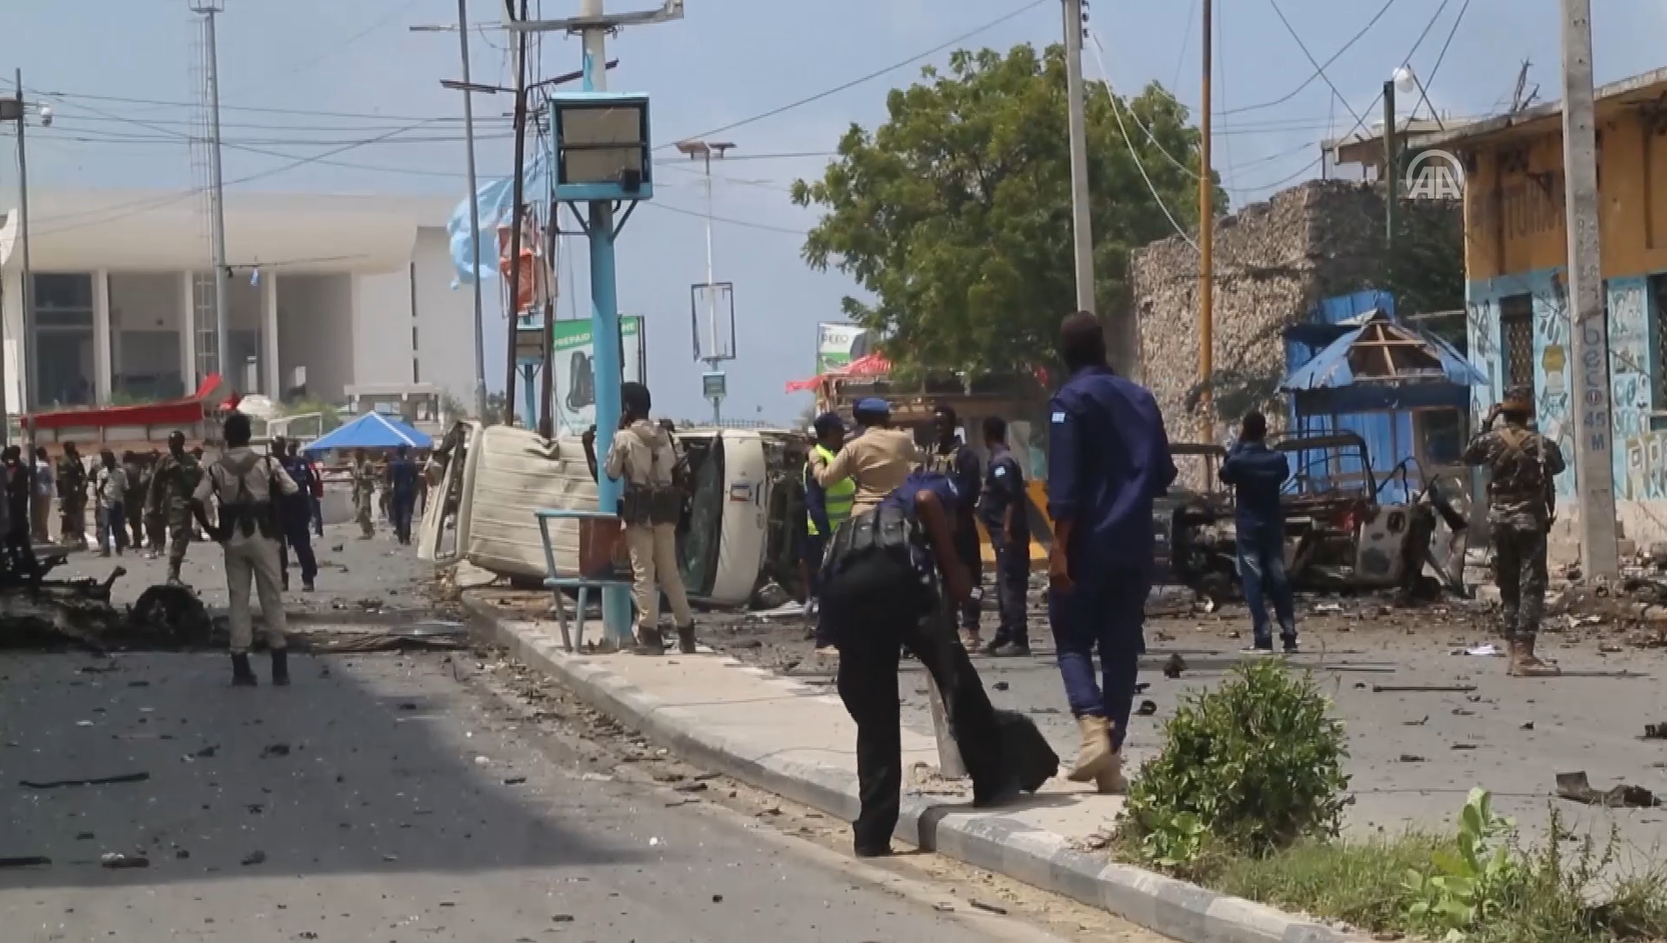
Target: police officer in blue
<point>1002,510</point>
<point>296,512</point>
<point>1108,460</point>
<point>890,580</point>
<point>1257,474</point>
<point>953,457</point>
<point>402,475</point>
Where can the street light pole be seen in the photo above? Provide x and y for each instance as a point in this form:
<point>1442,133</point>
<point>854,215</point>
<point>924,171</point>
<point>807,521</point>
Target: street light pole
<point>704,150</point>
<point>474,211</point>
<point>217,192</point>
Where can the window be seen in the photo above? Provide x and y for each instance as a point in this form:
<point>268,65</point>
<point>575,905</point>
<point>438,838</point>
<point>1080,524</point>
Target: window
<point>1516,335</point>
<point>64,300</point>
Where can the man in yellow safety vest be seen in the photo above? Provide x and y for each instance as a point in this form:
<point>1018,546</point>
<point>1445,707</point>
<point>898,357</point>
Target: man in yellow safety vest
<point>825,509</point>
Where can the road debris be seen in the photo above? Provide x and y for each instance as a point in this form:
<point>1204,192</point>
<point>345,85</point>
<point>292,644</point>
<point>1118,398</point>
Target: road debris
<point>1146,709</point>
<point>254,858</point>
<point>977,904</point>
<point>26,861</point>
<point>1576,787</point>
<point>1174,667</point>
<point>116,861</point>
<point>274,749</point>
<point>1422,688</point>
<point>100,781</point>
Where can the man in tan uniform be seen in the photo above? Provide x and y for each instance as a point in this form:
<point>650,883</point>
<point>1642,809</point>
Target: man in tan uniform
<point>643,455</point>
<point>878,459</point>
<point>247,486</point>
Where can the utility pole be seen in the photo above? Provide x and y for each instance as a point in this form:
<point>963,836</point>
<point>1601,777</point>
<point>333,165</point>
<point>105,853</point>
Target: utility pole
<point>705,150</point>
<point>27,296</point>
<point>1082,222</point>
<point>1391,170</point>
<point>217,193</point>
<point>1589,332</point>
<point>474,210</point>
<point>515,217</point>
<point>1206,244</point>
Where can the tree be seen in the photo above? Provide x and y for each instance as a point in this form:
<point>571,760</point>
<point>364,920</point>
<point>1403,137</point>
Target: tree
<point>955,214</point>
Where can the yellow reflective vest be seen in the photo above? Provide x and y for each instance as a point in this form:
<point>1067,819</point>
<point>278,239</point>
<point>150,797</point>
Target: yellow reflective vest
<point>837,499</point>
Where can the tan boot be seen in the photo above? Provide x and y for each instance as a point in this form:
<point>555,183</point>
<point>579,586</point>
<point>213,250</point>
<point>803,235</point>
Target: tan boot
<point>1524,663</point>
<point>1110,780</point>
<point>1094,758</point>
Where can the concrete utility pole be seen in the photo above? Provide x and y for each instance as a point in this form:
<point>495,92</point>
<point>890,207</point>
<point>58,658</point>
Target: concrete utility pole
<point>474,210</point>
<point>1082,223</point>
<point>1589,331</point>
<point>515,217</point>
<point>1206,245</point>
<point>1391,168</point>
<point>217,192</point>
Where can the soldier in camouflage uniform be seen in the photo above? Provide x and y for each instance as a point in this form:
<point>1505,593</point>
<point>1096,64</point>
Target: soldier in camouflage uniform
<point>364,494</point>
<point>1521,506</point>
<point>171,486</point>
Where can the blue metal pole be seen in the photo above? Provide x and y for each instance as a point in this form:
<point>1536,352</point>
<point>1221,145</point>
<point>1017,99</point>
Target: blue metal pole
<point>604,326</point>
<point>529,395</point>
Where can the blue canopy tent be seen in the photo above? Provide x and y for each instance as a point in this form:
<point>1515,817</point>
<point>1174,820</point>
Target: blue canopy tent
<point>371,431</point>
<point>1374,365</point>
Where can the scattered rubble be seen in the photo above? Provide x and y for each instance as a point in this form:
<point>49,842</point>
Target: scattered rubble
<point>1576,787</point>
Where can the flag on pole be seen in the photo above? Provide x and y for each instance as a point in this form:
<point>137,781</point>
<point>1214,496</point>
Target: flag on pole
<point>496,208</point>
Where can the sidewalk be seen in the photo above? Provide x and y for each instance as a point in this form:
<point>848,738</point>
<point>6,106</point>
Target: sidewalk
<point>795,739</point>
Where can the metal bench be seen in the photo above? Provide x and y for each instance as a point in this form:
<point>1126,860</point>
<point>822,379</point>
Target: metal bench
<point>556,583</point>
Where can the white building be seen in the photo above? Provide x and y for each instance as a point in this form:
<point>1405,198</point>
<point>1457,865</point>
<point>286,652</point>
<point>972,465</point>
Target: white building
<point>338,290</point>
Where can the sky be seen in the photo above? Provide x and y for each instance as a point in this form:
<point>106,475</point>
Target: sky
<point>292,69</point>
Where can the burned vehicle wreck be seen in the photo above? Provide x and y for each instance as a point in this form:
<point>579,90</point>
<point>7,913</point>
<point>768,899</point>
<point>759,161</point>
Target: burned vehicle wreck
<point>1342,532</point>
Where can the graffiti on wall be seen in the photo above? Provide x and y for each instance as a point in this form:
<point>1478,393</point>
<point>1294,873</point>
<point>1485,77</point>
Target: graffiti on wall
<point>1552,380</point>
<point>1640,454</point>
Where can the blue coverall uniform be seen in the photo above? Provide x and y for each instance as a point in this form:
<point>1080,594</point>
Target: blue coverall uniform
<point>402,475</point>
<point>296,513</point>
<point>1004,487</point>
<point>1257,474</point>
<point>1108,460</point>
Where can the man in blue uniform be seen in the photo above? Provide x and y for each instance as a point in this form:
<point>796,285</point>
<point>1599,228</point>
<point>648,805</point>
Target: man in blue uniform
<point>1108,460</point>
<point>954,458</point>
<point>890,576</point>
<point>1003,512</point>
<point>295,512</point>
<point>1257,474</point>
<point>402,477</point>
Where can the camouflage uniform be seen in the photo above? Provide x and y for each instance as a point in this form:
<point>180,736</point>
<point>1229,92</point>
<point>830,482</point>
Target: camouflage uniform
<point>72,499</point>
<point>1521,464</point>
<point>364,497</point>
<point>171,488</point>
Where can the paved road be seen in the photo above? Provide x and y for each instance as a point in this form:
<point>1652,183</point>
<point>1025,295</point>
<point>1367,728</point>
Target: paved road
<point>378,799</point>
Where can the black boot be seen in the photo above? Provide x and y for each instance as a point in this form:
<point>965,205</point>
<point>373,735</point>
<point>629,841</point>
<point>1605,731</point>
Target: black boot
<point>686,639</point>
<point>242,675</point>
<point>280,667</point>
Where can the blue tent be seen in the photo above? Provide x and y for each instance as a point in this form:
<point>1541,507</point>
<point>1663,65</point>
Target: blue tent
<point>372,431</point>
<point>1377,364</point>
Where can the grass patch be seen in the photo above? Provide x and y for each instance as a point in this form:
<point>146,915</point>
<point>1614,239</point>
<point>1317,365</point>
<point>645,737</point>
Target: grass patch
<point>1361,884</point>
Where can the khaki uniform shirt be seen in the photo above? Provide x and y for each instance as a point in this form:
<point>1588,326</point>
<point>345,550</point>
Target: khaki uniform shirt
<point>263,475</point>
<point>878,461</point>
<point>642,454</point>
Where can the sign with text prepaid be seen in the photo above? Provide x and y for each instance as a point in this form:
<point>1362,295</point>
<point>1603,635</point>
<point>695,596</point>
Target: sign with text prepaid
<point>838,344</point>
<point>1435,175</point>
<point>574,357</point>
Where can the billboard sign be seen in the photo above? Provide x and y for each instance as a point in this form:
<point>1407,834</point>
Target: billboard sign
<point>839,344</point>
<point>574,357</point>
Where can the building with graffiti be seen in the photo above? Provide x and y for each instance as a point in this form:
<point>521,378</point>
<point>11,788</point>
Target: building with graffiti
<point>1516,248</point>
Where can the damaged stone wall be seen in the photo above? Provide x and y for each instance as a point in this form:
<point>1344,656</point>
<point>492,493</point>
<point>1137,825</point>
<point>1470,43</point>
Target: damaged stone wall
<point>1274,263</point>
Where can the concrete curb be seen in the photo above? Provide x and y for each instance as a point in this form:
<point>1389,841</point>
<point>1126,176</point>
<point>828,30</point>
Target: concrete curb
<point>1042,859</point>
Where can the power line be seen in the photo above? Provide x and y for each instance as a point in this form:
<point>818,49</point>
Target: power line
<point>306,113</point>
<point>1444,46</point>
<point>653,204</point>
<point>878,73</point>
<point>1319,70</point>
<point>307,64</point>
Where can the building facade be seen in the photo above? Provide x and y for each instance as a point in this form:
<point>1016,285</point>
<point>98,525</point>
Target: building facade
<point>1516,269</point>
<point>324,292</point>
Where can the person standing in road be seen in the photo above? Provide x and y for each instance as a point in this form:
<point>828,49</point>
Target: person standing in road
<point>1257,475</point>
<point>1108,461</point>
<point>400,482</point>
<point>295,514</point>
<point>72,497</point>
<point>1522,504</point>
<point>46,485</point>
<point>1003,511</point>
<point>133,499</point>
<point>169,500</point>
<point>364,494</point>
<point>878,459</point>
<point>951,456</point>
<point>246,486</point>
<point>19,489</point>
<point>642,454</point>
<point>110,490</point>
<point>825,510</point>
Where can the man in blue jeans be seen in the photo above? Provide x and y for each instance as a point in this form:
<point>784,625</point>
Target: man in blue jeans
<point>1108,460</point>
<point>1257,474</point>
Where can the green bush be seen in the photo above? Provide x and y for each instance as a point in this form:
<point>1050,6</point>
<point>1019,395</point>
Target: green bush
<point>1248,768</point>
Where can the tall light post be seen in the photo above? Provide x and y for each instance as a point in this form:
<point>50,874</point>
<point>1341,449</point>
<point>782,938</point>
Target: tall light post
<point>713,382</point>
<point>17,109</point>
<point>217,193</point>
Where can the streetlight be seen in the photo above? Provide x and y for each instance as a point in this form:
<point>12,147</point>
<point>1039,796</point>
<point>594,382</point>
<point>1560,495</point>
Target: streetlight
<point>17,109</point>
<point>713,382</point>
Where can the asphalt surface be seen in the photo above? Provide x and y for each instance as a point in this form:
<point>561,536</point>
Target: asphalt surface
<point>1414,754</point>
<point>395,797</point>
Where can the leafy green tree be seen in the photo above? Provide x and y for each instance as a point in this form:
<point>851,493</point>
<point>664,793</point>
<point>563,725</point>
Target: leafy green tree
<point>955,214</point>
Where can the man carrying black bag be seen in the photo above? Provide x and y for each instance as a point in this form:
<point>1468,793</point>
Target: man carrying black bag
<point>892,580</point>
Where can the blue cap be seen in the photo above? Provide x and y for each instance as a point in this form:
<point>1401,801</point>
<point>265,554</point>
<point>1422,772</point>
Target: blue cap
<point>828,422</point>
<point>874,406</point>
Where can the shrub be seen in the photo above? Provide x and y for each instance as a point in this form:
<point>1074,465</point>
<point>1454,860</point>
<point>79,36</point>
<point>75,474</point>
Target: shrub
<point>1248,768</point>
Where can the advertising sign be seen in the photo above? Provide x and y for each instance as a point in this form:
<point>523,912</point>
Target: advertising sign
<point>574,357</point>
<point>839,344</point>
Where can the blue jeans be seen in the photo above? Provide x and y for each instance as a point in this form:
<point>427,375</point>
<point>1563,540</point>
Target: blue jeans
<point>1262,571</point>
<point>1104,610</point>
<point>112,528</point>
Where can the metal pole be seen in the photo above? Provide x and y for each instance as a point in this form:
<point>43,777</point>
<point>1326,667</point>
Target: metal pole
<point>1391,169</point>
<point>474,211</point>
<point>547,383</point>
<point>1082,226</point>
<point>222,325</point>
<point>1206,245</point>
<point>604,327</point>
<point>515,219</point>
<point>26,296</point>
<point>1593,455</point>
